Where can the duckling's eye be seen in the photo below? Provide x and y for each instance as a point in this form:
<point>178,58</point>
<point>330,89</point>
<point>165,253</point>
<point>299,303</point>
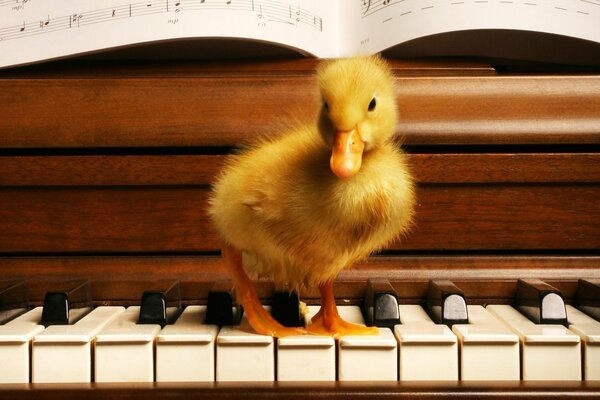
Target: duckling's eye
<point>372,104</point>
<point>326,106</point>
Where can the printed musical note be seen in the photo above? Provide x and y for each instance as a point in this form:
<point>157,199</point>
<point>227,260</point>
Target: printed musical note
<point>75,20</point>
<point>366,3</point>
<point>370,7</point>
<point>277,11</point>
<point>45,23</point>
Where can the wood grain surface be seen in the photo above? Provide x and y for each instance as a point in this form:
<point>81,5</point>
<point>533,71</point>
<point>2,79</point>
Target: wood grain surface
<point>156,219</point>
<point>205,107</point>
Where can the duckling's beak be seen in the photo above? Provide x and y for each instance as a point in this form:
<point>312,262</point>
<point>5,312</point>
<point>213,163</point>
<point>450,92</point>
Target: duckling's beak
<point>346,155</point>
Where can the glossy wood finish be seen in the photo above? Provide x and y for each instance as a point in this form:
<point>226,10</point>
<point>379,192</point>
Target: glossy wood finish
<point>156,219</point>
<point>199,169</point>
<point>155,203</point>
<point>206,107</point>
<point>316,391</point>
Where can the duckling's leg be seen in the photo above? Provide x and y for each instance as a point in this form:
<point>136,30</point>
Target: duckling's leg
<point>328,321</point>
<point>260,320</point>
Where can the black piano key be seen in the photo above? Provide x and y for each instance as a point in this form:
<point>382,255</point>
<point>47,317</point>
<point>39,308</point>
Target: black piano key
<point>588,297</point>
<point>540,302</point>
<point>222,308</point>
<point>446,303</point>
<point>161,306</point>
<point>285,308</point>
<point>66,303</point>
<point>13,300</point>
<point>380,307</point>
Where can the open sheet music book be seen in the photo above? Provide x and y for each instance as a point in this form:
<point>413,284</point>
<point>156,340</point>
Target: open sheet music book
<point>38,30</point>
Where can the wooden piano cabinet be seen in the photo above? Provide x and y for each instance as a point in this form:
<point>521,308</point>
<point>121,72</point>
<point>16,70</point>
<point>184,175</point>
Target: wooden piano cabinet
<point>105,172</point>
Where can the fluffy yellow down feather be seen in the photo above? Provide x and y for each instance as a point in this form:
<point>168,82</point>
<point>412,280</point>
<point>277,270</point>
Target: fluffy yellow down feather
<point>280,203</point>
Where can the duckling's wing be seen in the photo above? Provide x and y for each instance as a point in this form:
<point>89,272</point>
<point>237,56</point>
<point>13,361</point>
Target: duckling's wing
<point>254,200</point>
<point>262,205</point>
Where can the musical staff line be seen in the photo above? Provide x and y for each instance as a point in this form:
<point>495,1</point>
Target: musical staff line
<point>370,7</point>
<point>590,2</point>
<point>275,11</point>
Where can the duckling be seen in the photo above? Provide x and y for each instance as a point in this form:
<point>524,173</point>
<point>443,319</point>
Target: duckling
<point>316,199</point>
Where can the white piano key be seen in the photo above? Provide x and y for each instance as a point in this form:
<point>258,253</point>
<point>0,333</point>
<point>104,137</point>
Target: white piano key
<point>379,353</point>
<point>427,351</point>
<point>548,352</point>
<point>577,317</point>
<point>185,350</point>
<point>63,353</point>
<point>489,350</point>
<point>589,330</point>
<point>124,350</point>
<point>306,358</point>
<point>410,313</point>
<point>15,346</point>
<point>244,355</point>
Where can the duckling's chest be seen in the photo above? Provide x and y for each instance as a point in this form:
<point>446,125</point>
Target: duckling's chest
<point>365,199</point>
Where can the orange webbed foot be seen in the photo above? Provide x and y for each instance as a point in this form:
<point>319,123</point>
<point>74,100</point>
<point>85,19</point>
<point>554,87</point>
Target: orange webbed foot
<point>258,318</point>
<point>328,322</point>
<point>335,326</point>
<point>262,322</point>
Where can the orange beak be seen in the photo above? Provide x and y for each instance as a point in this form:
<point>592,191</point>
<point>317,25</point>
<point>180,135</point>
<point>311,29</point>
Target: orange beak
<point>346,155</point>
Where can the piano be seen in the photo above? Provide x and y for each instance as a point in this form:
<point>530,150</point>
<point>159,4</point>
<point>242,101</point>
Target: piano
<point>104,175</point>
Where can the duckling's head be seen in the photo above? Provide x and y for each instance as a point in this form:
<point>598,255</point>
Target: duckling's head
<point>358,112</point>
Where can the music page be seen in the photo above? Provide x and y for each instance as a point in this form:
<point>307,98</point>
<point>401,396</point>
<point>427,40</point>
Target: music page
<point>34,30</point>
<point>375,25</point>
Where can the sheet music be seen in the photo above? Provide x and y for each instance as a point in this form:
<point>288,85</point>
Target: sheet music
<point>374,25</point>
<point>32,30</point>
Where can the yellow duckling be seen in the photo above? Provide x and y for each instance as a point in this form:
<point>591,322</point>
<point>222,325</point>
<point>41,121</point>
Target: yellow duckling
<point>318,198</point>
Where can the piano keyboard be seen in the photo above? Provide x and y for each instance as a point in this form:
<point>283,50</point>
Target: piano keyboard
<point>491,342</point>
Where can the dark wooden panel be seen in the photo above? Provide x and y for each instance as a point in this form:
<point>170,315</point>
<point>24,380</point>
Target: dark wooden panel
<point>110,267</point>
<point>505,217</point>
<point>108,219</point>
<point>113,170</point>
<point>109,170</point>
<point>158,219</point>
<point>227,110</point>
<point>306,390</point>
<point>144,112</point>
<point>483,278</point>
<point>508,168</point>
<point>209,268</point>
